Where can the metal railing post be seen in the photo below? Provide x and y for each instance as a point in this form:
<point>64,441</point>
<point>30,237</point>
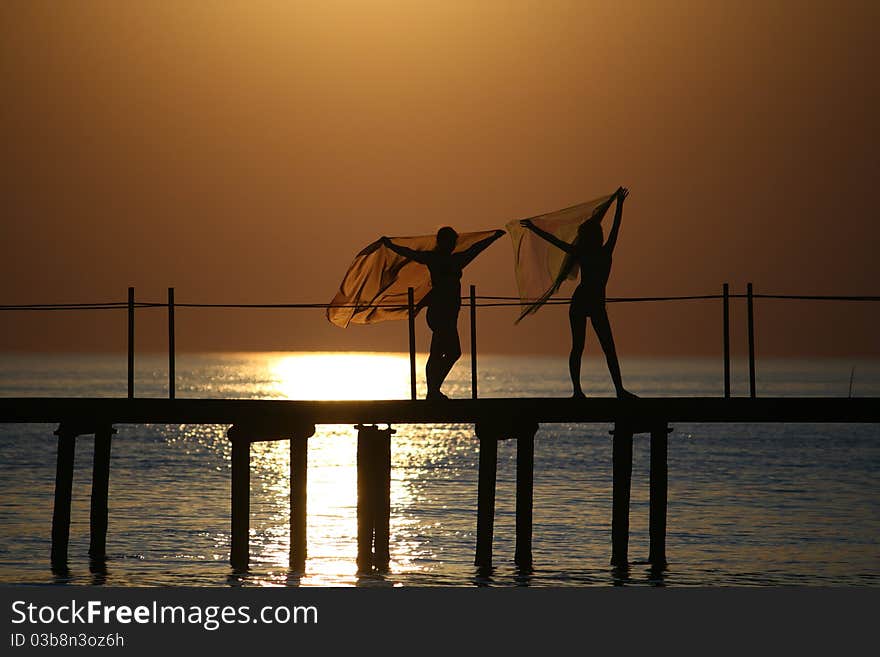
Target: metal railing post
<point>171,354</point>
<point>410,296</point>
<point>726,312</point>
<point>131,343</point>
<point>473,341</point>
<point>751,310</point>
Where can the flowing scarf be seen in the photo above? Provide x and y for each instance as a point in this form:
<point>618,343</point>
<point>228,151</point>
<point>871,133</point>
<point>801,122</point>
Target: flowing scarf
<point>540,267</point>
<point>374,288</point>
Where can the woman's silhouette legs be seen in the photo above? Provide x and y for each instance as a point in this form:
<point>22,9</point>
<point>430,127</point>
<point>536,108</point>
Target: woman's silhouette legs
<point>578,321</point>
<point>602,326</point>
<point>451,354</point>
<point>577,317</point>
<point>445,351</point>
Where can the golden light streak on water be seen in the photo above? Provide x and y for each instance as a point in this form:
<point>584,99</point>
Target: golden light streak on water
<point>332,468</point>
<point>341,376</point>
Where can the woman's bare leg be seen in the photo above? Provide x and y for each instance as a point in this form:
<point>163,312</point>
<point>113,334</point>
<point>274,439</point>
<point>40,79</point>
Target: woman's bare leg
<point>435,357</point>
<point>578,322</point>
<point>602,326</point>
<point>451,354</point>
<point>445,350</point>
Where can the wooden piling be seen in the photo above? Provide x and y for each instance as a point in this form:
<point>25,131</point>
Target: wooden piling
<point>410,297</point>
<point>299,456</point>
<point>622,476</point>
<point>725,293</point>
<point>473,341</point>
<point>130,342</point>
<point>100,492</point>
<point>241,485</point>
<point>382,500</point>
<point>525,477</point>
<point>171,347</point>
<point>366,520</point>
<point>751,319</point>
<point>658,497</point>
<point>374,497</point>
<point>486,496</point>
<point>63,492</point>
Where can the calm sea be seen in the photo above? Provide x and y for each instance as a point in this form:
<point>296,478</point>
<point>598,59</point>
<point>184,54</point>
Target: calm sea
<point>748,504</point>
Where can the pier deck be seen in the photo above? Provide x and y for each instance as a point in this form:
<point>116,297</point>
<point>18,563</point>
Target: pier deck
<point>281,412</point>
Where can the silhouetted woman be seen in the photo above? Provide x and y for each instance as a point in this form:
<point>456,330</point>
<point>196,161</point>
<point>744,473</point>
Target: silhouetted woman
<point>594,259</point>
<point>444,301</point>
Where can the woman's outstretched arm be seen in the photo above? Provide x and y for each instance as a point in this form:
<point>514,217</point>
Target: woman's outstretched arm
<point>555,241</point>
<point>476,249</point>
<point>418,256</point>
<point>621,194</point>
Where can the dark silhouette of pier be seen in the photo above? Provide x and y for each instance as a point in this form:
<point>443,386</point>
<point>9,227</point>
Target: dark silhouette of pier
<point>494,419</point>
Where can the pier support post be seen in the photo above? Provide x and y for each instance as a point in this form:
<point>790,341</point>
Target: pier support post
<point>299,456</point>
<point>658,497</point>
<point>365,519</point>
<point>241,489</point>
<point>382,558</point>
<point>100,492</point>
<point>374,497</point>
<point>525,478</point>
<point>241,437</point>
<point>622,477</point>
<point>63,491</point>
<point>486,495</point>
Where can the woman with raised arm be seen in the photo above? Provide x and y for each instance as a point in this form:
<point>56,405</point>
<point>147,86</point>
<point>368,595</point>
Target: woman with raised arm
<point>444,301</point>
<point>594,259</point>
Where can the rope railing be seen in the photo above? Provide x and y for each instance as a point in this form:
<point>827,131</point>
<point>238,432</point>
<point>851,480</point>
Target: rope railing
<point>489,302</point>
<point>474,302</point>
<point>68,306</point>
<point>815,297</point>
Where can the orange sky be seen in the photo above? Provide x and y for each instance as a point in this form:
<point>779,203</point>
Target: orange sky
<point>245,151</point>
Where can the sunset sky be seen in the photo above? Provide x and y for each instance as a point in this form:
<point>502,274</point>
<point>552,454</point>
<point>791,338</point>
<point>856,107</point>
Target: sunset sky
<point>246,151</point>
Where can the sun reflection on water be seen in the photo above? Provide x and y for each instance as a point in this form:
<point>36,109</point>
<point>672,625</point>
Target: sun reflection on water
<point>332,472</point>
<point>341,376</point>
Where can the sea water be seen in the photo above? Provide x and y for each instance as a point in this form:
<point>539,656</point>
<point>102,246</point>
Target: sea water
<point>749,504</point>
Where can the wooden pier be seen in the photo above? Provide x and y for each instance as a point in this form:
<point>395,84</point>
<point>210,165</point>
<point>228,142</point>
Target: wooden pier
<point>493,419</point>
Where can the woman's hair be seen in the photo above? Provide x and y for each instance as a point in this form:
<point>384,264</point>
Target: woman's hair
<point>447,235</point>
<point>590,234</point>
